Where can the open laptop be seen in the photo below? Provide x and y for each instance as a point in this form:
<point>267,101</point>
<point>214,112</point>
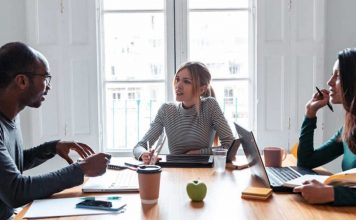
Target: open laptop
<point>124,180</point>
<point>191,161</point>
<point>273,177</point>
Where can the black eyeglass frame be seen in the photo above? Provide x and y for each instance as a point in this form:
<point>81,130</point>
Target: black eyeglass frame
<point>46,75</point>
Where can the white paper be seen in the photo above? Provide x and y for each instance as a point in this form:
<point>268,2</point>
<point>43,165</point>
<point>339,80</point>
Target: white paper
<point>61,207</point>
<point>300,180</point>
<point>350,171</point>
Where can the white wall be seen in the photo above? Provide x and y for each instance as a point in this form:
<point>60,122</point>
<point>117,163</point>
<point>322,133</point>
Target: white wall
<point>12,21</point>
<point>290,62</point>
<point>13,28</point>
<point>340,33</point>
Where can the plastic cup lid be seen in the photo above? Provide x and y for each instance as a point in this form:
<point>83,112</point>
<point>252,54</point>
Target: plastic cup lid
<point>149,169</point>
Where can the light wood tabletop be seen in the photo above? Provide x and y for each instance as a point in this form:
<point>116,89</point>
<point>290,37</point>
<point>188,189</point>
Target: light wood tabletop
<point>223,200</point>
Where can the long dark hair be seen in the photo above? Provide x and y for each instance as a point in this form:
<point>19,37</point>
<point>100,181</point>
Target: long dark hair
<point>347,66</point>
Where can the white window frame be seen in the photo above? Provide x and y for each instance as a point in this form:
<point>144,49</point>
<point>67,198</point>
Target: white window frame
<point>176,53</point>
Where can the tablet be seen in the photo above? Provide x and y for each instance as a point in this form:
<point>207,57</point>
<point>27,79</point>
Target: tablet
<point>231,152</point>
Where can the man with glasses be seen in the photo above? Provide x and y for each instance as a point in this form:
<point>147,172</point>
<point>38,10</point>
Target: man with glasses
<point>25,81</point>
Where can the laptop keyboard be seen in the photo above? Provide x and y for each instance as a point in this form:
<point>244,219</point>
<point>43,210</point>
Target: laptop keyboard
<point>283,174</point>
<point>125,178</point>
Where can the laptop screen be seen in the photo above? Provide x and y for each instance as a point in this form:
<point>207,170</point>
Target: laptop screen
<point>252,153</point>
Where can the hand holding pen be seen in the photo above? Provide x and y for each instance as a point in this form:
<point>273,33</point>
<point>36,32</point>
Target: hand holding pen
<point>146,155</point>
<point>150,150</point>
<point>319,100</point>
<point>321,94</point>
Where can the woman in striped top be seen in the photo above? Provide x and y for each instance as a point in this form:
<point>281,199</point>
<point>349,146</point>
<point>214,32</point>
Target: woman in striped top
<point>189,124</point>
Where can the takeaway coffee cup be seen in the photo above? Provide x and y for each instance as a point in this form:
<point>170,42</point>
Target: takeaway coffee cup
<point>274,156</point>
<point>149,180</point>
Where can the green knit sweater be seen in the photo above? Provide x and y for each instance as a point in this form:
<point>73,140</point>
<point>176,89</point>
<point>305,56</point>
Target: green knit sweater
<point>330,150</point>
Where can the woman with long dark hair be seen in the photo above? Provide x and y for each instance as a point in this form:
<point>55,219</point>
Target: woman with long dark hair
<point>342,91</point>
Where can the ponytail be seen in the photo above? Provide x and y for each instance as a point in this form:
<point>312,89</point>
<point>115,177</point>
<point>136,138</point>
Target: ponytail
<point>211,93</point>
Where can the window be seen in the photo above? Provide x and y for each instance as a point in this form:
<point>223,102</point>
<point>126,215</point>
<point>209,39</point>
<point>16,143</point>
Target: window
<point>142,46</point>
<point>228,96</point>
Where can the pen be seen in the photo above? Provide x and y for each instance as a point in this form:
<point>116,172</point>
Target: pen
<point>108,198</point>
<point>148,146</point>
<point>132,168</point>
<point>321,94</point>
<point>131,164</point>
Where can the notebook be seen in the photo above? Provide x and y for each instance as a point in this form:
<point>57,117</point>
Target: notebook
<point>231,152</point>
<point>273,177</point>
<point>256,193</point>
<point>120,163</point>
<point>115,181</point>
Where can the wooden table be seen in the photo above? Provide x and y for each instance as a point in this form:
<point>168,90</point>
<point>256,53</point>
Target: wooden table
<point>223,200</point>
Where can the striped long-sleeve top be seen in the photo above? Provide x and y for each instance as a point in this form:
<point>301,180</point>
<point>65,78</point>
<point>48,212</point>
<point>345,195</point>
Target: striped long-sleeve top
<point>186,129</point>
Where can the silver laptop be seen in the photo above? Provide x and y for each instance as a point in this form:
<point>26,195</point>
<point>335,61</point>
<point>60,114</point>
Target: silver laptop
<point>273,177</point>
<point>125,180</point>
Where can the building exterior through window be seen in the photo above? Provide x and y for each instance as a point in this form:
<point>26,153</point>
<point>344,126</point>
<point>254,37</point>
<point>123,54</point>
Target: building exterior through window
<point>138,44</point>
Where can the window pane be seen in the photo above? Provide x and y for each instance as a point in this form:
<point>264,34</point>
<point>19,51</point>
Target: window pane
<point>233,97</point>
<point>134,50</point>
<point>135,56</point>
<point>223,48</point>
<point>134,66</point>
<point>132,4</point>
<point>130,111</point>
<point>204,4</point>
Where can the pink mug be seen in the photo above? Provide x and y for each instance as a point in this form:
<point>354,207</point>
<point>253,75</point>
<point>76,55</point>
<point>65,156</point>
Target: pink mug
<point>274,156</point>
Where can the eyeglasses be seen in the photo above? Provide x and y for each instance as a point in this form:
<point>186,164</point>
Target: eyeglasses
<point>46,75</point>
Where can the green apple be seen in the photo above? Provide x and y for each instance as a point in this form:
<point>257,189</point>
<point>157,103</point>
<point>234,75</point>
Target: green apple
<point>196,190</point>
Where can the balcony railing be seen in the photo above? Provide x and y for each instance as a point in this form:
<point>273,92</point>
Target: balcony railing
<point>127,121</point>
